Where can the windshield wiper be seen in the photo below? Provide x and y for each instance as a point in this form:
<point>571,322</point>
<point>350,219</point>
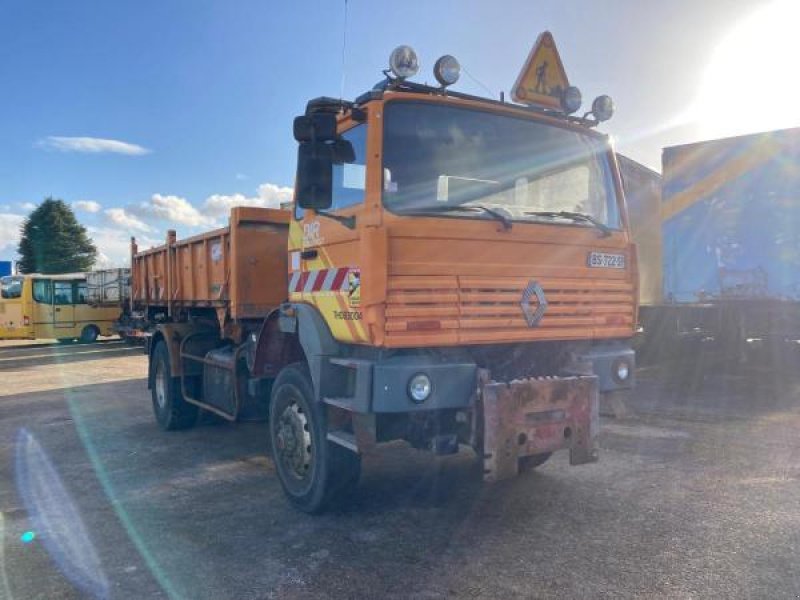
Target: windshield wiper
<point>498,216</point>
<point>575,216</point>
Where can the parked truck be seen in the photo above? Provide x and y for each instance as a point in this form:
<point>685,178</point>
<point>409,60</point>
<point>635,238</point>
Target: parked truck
<point>723,248</point>
<point>454,270</point>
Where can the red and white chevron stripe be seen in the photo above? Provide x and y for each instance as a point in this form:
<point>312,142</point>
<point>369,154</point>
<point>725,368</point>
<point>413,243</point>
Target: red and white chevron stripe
<point>321,280</point>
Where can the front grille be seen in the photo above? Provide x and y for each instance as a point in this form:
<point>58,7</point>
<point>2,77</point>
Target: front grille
<point>461,309</point>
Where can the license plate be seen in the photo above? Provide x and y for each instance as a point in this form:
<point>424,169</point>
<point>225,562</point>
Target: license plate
<point>606,261</point>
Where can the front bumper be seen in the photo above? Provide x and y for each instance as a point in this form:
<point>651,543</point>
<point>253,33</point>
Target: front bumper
<point>537,416</point>
<point>452,384</point>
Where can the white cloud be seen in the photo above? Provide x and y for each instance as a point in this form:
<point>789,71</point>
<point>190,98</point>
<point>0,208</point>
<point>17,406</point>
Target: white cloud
<point>119,216</point>
<point>114,250</point>
<point>9,230</point>
<point>173,209</point>
<point>27,206</point>
<point>241,177</point>
<point>91,145</point>
<point>269,196</point>
<point>89,206</point>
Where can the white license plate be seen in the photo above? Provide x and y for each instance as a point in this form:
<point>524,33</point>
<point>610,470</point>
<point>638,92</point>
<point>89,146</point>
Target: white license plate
<point>606,261</point>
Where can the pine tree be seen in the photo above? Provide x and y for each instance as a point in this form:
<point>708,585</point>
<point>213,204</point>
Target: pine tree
<point>54,242</point>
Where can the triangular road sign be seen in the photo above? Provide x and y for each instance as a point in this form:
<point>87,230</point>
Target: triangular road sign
<point>542,80</point>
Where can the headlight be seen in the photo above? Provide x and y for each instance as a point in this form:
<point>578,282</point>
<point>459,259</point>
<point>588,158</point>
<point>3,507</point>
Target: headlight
<point>621,370</point>
<point>571,100</point>
<point>446,70</point>
<point>603,108</point>
<point>403,62</point>
<point>419,387</point>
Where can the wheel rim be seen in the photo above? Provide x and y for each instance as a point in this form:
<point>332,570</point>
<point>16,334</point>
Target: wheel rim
<point>293,442</point>
<point>161,385</point>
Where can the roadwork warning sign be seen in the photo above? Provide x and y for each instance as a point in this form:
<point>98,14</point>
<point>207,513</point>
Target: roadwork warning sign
<point>542,80</point>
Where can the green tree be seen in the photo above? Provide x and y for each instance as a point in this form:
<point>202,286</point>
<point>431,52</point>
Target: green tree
<point>54,242</point>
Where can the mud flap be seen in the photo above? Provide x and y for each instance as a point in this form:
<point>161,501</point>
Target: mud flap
<point>536,416</point>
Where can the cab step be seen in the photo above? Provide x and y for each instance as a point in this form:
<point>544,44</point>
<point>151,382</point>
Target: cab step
<point>343,403</point>
<point>344,439</point>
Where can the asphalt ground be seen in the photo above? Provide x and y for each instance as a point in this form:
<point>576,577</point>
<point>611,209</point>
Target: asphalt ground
<point>696,495</point>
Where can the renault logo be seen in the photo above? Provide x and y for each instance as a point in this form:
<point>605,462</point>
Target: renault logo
<point>533,314</point>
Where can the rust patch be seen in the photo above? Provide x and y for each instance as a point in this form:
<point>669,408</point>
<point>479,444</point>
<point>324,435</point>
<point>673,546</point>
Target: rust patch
<point>536,416</point>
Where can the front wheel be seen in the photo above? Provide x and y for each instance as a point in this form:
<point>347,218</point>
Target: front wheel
<point>313,472</point>
<point>171,410</point>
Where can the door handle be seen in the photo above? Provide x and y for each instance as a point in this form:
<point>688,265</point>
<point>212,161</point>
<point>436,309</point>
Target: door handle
<point>309,254</point>
<point>58,310</point>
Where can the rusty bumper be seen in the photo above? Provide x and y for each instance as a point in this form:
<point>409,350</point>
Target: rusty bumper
<point>537,416</point>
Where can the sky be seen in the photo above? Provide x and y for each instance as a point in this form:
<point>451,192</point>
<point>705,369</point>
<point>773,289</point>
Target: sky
<point>160,114</point>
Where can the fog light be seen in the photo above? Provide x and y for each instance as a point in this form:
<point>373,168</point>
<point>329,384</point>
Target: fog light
<point>403,62</point>
<point>621,370</point>
<point>603,108</point>
<point>446,70</point>
<point>419,387</point>
<point>571,100</point>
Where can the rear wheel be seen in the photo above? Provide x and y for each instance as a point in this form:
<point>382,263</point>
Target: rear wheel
<point>313,472</point>
<point>89,334</point>
<point>171,410</point>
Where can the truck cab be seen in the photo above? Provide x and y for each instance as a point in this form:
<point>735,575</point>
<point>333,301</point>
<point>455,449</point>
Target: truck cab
<point>469,263</point>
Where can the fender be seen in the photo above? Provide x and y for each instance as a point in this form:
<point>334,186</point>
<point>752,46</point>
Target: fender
<point>314,335</point>
<point>171,334</point>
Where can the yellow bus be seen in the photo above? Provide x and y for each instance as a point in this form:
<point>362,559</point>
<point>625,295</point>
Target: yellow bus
<point>52,306</point>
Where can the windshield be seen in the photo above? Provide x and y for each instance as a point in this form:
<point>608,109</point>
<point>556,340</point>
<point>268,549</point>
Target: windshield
<point>11,287</point>
<point>440,158</point>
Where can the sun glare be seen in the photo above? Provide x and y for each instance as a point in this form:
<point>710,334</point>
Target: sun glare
<point>751,82</point>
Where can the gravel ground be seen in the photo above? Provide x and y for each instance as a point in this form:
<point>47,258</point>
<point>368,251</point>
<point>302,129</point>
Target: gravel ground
<point>696,496</point>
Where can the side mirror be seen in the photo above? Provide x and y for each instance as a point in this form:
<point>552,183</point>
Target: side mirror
<point>315,162</point>
<point>343,152</point>
<point>320,127</point>
<point>314,175</point>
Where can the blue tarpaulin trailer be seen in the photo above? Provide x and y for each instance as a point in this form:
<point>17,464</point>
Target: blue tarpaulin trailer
<point>724,246</point>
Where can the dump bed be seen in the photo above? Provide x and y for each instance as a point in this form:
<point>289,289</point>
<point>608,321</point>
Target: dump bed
<point>240,269</point>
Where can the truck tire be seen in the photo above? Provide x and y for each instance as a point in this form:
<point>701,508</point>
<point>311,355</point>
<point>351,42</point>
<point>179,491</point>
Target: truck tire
<point>89,334</point>
<point>529,463</point>
<point>172,412</point>
<point>315,474</point>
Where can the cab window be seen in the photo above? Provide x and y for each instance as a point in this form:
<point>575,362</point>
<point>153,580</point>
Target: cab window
<point>349,179</point>
<point>81,293</point>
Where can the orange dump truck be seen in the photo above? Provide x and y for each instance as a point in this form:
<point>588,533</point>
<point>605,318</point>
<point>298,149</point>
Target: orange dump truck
<point>455,271</point>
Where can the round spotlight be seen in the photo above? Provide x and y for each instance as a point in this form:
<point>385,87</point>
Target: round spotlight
<point>446,70</point>
<point>571,100</point>
<point>621,370</point>
<point>419,388</point>
<point>603,108</point>
<point>403,62</point>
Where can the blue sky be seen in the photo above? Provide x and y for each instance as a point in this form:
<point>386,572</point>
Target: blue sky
<point>199,96</point>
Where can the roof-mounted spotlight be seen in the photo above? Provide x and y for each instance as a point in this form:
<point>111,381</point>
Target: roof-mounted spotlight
<point>603,108</point>
<point>403,62</point>
<point>571,100</point>
<point>447,70</point>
